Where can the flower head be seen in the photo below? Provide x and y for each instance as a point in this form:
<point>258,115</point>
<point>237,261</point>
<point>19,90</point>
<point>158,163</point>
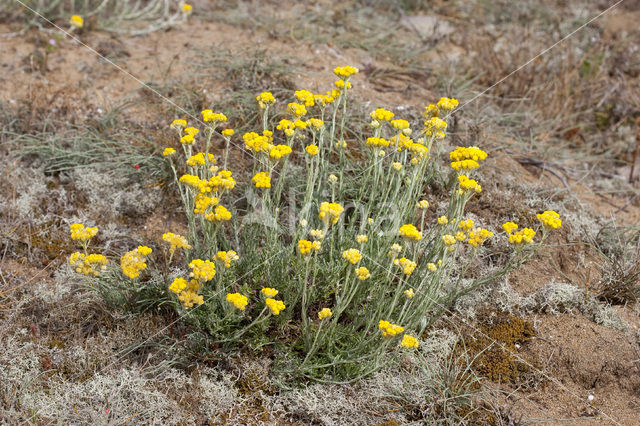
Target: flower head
<point>409,293</point>
<point>175,242</point>
<point>509,227</point>
<point>133,262</point>
<point>324,313</point>
<point>352,255</point>
<point>202,270</point>
<point>409,342</point>
<point>345,71</point>
<point>269,292</point>
<point>550,219</point>
<point>238,300</point>
<point>76,21</point>
<point>330,212</point>
<point>407,265</point>
<point>262,180</point>
<point>305,247</point>
<point>226,257</point>
<point>312,150</point>
<point>81,233</point>
<point>275,305</point>
<point>168,152</point>
<point>388,329</point>
<point>265,99</point>
<point>410,232</point>
<point>362,273</point>
<point>178,124</point>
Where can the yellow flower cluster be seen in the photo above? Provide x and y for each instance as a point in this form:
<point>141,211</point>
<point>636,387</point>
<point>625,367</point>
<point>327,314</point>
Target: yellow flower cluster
<point>238,300</point>
<point>377,142</point>
<point>422,204</point>
<point>326,99</point>
<point>187,9</point>
<point>279,151</point>
<point>219,214</point>
<point>178,124</point>
<point>449,239</point>
<point>227,133</point>
<point>550,219</point>
<point>265,99</point>
<point>409,293</point>
<point>409,342</point>
<point>133,262</point>
<point>324,313</point>
<point>88,264</point>
<point>400,124</point>
<point>361,238</point>
<point>431,111</point>
<point>202,270</point>
<point>168,152</point>
<point>226,257</point>
<point>269,292</point>
<point>509,227</point>
<point>275,305</point>
<point>467,184</point>
<point>466,224</point>
<point>199,159</point>
<point>312,150</point>
<point>330,212</point>
<point>296,109</point>
<point>258,143</point>
<point>318,234</point>
<point>175,242</point>
<point>202,203</point>
<point>388,329</point>
<point>524,236</point>
<point>352,255</point>
<point>478,236</point>
<point>362,273</point>
<point>76,21</point>
<point>262,180</point>
<point>443,220</point>
<point>407,265</point>
<point>208,115</point>
<point>447,104</point>
<point>305,247</point>
<point>81,233</point>
<point>410,232</point>
<point>466,158</point>
<point>315,123</point>
<point>381,114</point>
<point>189,137</point>
<point>345,71</point>
<point>187,291</point>
<point>305,96</point>
<point>435,127</point>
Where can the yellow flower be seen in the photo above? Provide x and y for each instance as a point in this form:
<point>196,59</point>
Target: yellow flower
<point>509,227</point>
<point>432,267</point>
<point>133,262</point>
<point>168,151</point>
<point>315,123</point>
<point>442,220</point>
<point>275,305</point>
<point>269,292</point>
<point>448,239</point>
<point>388,329</point>
<point>80,233</point>
<point>187,9</point>
<point>409,342</point>
<point>219,214</point>
<point>226,257</point>
<point>305,96</point>
<point>400,124</point>
<point>447,104</point>
<point>524,236</point>
<point>262,180</point>
<point>550,219</point>
<point>396,166</point>
<point>228,132</point>
<point>88,264</point>
<point>435,127</point>
<point>305,247</point>
<point>410,232</point>
<point>374,141</point>
<point>461,236</point>
<point>422,204</point>
<point>76,21</point>
<point>190,298</point>
<point>352,255</point>
<point>467,184</point>
<point>340,84</point>
<point>467,224</point>
<point>178,124</point>
<point>175,241</point>
<point>409,293</point>
<point>296,109</point>
<point>324,313</point>
<point>362,273</point>
<point>188,139</point>
<point>208,115</point>
<point>381,114</point>
<point>200,160</point>
<point>312,150</point>
<point>202,270</point>
<point>238,300</point>
<point>332,178</point>
<point>178,285</point>
<point>361,238</point>
<point>345,71</point>
<point>431,111</point>
<point>407,265</point>
<point>265,99</point>
<point>330,212</point>
<point>279,151</point>
<point>191,131</point>
<point>472,153</point>
<point>478,236</point>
